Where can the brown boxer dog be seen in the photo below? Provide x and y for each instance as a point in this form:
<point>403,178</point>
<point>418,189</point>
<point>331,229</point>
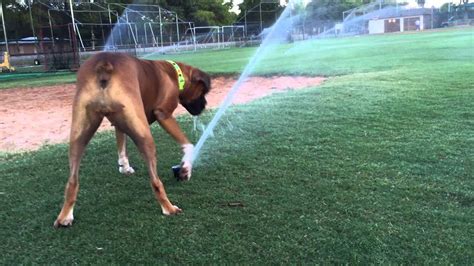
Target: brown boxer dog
<point>131,93</point>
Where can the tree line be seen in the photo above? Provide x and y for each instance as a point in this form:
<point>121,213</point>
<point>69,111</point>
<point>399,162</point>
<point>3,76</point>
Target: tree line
<point>27,17</point>
<point>23,18</point>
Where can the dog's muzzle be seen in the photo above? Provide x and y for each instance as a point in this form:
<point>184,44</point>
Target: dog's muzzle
<point>196,107</point>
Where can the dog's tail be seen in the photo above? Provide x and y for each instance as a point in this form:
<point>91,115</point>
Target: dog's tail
<point>104,71</point>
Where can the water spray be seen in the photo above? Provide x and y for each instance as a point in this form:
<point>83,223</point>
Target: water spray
<point>280,25</point>
<point>279,32</point>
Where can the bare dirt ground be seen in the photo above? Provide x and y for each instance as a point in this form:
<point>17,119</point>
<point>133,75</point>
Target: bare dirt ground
<point>32,117</point>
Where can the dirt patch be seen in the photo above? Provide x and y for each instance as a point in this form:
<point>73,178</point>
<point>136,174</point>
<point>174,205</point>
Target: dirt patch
<point>32,117</point>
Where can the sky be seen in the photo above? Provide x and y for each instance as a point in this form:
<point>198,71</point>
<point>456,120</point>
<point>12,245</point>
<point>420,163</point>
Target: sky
<point>429,3</point>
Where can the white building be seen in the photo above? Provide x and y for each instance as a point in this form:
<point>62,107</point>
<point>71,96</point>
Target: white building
<point>401,20</point>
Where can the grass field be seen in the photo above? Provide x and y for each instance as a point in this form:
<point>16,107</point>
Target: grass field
<point>22,80</point>
<point>375,166</point>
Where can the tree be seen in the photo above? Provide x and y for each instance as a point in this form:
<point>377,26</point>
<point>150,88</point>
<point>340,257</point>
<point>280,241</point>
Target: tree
<point>248,5</point>
<point>330,10</point>
<point>19,24</point>
<point>250,11</point>
<point>16,19</point>
<point>213,12</point>
<point>202,12</point>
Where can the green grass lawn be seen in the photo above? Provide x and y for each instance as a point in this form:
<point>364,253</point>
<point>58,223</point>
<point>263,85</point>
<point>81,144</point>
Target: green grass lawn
<point>374,166</point>
<point>25,80</point>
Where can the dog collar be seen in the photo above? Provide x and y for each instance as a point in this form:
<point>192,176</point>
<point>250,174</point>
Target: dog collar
<point>180,74</point>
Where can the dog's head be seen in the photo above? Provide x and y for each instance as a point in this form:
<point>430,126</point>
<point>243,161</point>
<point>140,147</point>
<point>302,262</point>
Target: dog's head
<point>193,97</point>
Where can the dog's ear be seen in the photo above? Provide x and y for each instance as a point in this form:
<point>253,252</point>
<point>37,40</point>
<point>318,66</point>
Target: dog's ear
<point>202,77</point>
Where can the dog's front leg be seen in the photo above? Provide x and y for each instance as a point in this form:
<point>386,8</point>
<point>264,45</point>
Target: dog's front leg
<point>124,164</point>
<point>172,127</point>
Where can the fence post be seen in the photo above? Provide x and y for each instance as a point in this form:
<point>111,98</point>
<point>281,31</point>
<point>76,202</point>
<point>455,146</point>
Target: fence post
<point>4,29</point>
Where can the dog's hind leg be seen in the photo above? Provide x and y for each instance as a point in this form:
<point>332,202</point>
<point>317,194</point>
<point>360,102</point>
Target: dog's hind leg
<point>135,125</point>
<point>124,164</point>
<point>83,127</point>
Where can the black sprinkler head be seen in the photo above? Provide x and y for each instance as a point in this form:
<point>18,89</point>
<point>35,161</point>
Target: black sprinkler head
<point>176,169</point>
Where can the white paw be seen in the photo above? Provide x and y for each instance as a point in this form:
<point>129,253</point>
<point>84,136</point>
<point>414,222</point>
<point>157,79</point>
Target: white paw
<point>63,223</point>
<point>126,170</point>
<point>186,170</point>
<point>66,222</point>
<point>124,166</point>
<point>186,162</point>
<point>174,210</point>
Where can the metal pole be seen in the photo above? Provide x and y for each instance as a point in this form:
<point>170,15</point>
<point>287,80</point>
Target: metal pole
<point>110,25</point>
<point>72,16</point>
<point>146,36</point>
<point>194,36</point>
<point>72,42</point>
<point>177,30</point>
<point>161,28</point>
<point>51,27</point>
<point>131,33</point>
<point>245,20</point>
<point>261,23</point>
<point>223,36</point>
<point>80,38</point>
<point>432,17</point>
<point>218,37</point>
<point>31,19</point>
<point>154,42</point>
<point>136,34</point>
<point>128,23</point>
<point>4,29</point>
<point>304,22</point>
<point>110,17</point>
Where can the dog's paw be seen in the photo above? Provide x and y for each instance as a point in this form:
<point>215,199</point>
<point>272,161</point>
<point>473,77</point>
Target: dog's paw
<point>171,211</point>
<point>66,222</point>
<point>124,166</point>
<point>186,162</point>
<point>126,170</point>
<point>185,172</point>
